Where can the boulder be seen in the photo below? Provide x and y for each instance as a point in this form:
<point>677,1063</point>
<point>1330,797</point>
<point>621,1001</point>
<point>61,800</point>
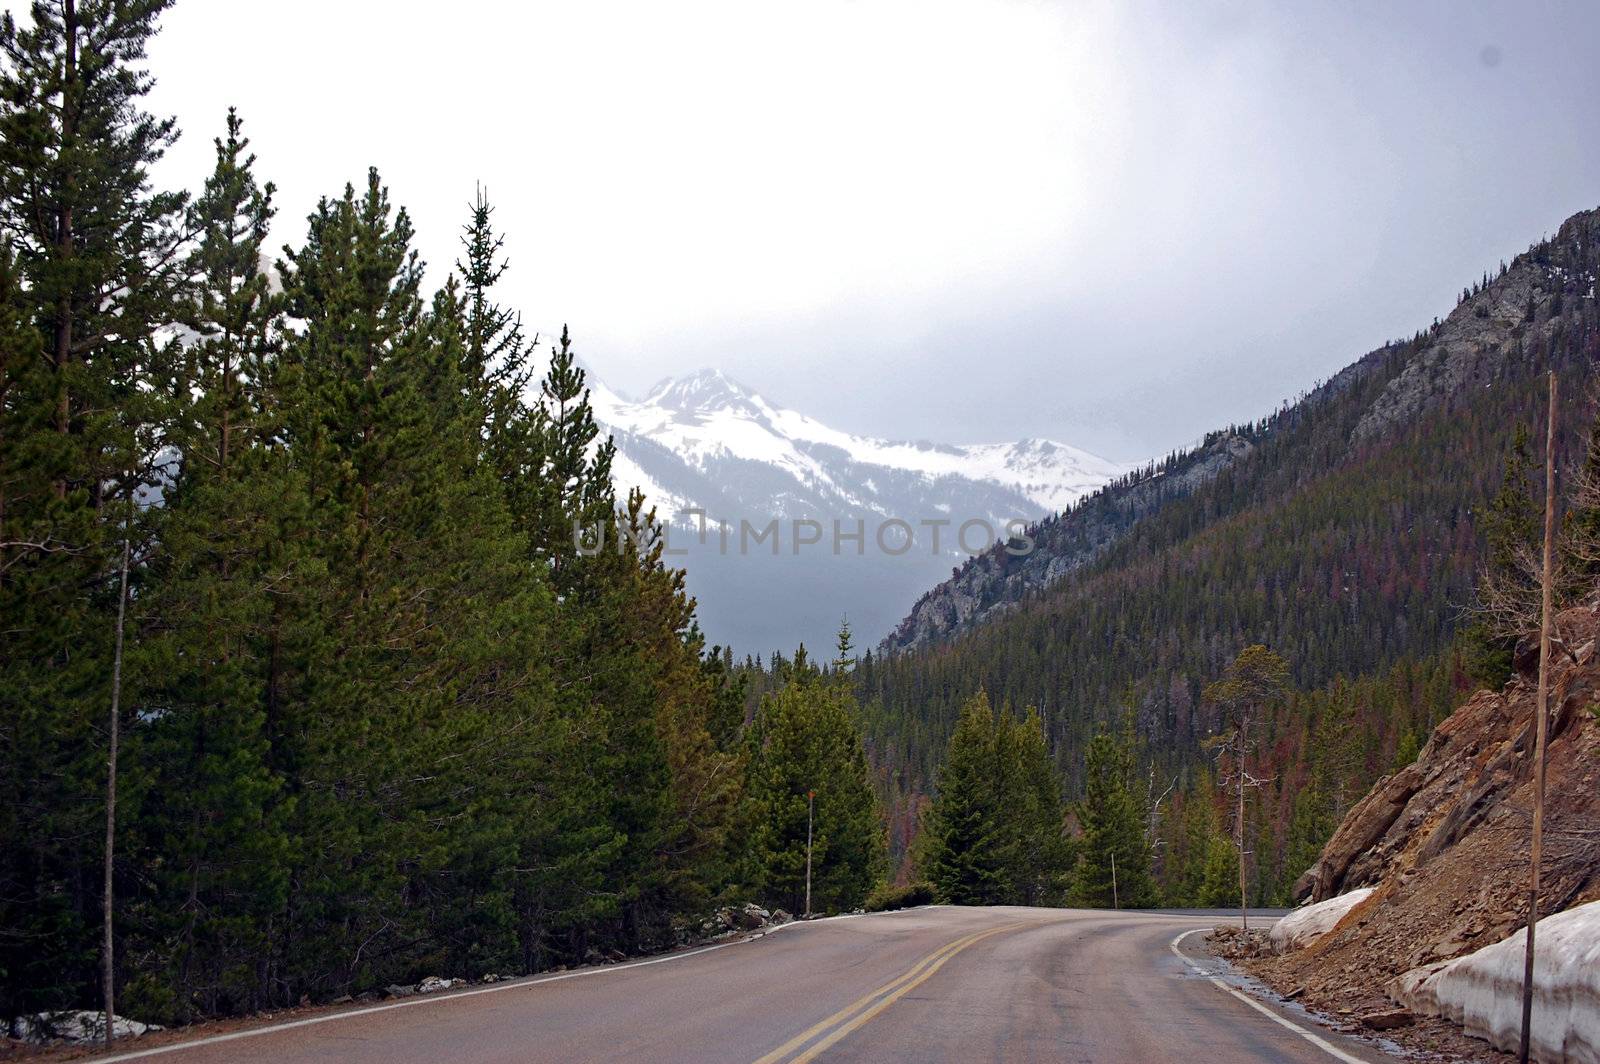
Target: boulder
<point>1385,1020</point>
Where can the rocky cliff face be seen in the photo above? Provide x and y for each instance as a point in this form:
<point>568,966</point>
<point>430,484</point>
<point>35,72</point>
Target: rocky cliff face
<point>1469,793</point>
<point>1506,320</point>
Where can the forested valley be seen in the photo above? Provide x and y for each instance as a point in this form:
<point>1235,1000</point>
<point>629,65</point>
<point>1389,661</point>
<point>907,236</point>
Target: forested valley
<point>1354,537</point>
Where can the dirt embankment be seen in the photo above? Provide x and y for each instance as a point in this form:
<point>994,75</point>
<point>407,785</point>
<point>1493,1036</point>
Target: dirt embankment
<point>1444,842</point>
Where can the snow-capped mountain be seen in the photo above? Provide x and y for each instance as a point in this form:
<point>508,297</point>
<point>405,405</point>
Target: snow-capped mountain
<point>891,518</point>
<point>707,442</point>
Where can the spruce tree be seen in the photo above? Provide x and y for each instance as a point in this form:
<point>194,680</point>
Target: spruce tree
<point>499,364</point>
<point>965,855</point>
<point>805,739</point>
<point>1113,853</point>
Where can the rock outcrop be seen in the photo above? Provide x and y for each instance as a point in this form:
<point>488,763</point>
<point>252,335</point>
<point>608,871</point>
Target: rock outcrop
<point>1470,782</point>
<point>1508,319</point>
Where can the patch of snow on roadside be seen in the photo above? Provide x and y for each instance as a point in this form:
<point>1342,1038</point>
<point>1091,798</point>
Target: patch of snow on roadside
<point>1311,922</point>
<point>1483,991</point>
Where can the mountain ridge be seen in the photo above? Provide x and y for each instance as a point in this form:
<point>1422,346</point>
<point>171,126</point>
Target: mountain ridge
<point>1466,349</point>
<point>707,414</point>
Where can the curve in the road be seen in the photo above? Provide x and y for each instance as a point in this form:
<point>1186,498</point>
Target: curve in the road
<point>938,984</point>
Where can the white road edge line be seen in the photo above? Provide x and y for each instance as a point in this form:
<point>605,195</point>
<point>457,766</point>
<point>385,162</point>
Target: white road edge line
<point>1316,1040</point>
<point>439,999</point>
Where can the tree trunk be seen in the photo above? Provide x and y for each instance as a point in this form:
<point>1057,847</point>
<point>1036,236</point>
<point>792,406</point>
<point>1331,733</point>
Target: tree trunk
<point>64,234</point>
<point>1238,833</point>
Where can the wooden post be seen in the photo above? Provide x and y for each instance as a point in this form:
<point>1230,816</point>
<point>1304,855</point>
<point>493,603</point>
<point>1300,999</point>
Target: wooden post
<point>1540,725</point>
<point>107,960</point>
<point>811,798</point>
<point>1115,904</point>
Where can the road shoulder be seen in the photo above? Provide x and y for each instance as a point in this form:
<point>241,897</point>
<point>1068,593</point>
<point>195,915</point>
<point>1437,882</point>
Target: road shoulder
<point>1337,1040</point>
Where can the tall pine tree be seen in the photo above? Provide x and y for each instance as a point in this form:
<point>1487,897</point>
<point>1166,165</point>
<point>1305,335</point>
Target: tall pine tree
<point>92,255</point>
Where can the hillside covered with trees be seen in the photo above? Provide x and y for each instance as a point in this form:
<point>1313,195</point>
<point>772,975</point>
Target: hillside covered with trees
<point>1346,532</point>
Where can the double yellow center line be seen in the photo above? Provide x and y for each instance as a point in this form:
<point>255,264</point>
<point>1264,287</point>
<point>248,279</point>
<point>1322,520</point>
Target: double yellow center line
<point>865,1008</point>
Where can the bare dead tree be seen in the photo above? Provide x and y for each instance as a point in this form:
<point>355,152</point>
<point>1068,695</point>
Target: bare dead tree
<point>1254,679</point>
<point>1153,803</point>
<point>1510,601</point>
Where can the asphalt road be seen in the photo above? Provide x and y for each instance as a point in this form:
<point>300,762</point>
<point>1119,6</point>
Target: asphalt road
<point>937,984</point>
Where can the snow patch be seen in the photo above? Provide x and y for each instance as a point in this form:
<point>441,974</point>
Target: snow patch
<point>1483,991</point>
<point>1311,922</point>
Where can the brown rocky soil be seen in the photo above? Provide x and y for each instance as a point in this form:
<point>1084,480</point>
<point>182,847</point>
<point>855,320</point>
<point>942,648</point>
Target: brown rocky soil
<point>1445,842</point>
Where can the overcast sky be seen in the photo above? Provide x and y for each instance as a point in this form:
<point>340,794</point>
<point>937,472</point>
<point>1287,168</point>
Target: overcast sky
<point>1114,224</point>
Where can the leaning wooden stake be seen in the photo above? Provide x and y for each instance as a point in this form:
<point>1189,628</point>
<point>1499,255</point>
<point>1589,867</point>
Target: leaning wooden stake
<point>811,803</point>
<point>1540,726</point>
<point>107,959</point>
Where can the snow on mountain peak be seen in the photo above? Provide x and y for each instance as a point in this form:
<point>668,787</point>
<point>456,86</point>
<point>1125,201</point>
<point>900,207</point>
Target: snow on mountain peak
<point>709,452</point>
<point>703,391</point>
<point>712,424</point>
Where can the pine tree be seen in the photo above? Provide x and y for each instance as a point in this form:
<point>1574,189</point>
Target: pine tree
<point>1253,682</point>
<point>92,266</point>
<point>1219,885</point>
<point>215,840</point>
<point>1043,857</point>
<point>1198,835</point>
<point>1113,853</point>
<point>416,682</point>
<point>1309,828</point>
<point>576,495</point>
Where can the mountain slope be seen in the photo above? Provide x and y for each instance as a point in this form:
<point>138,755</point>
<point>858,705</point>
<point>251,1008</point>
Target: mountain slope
<point>1340,531</point>
<point>1483,343</point>
<point>711,454</point>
